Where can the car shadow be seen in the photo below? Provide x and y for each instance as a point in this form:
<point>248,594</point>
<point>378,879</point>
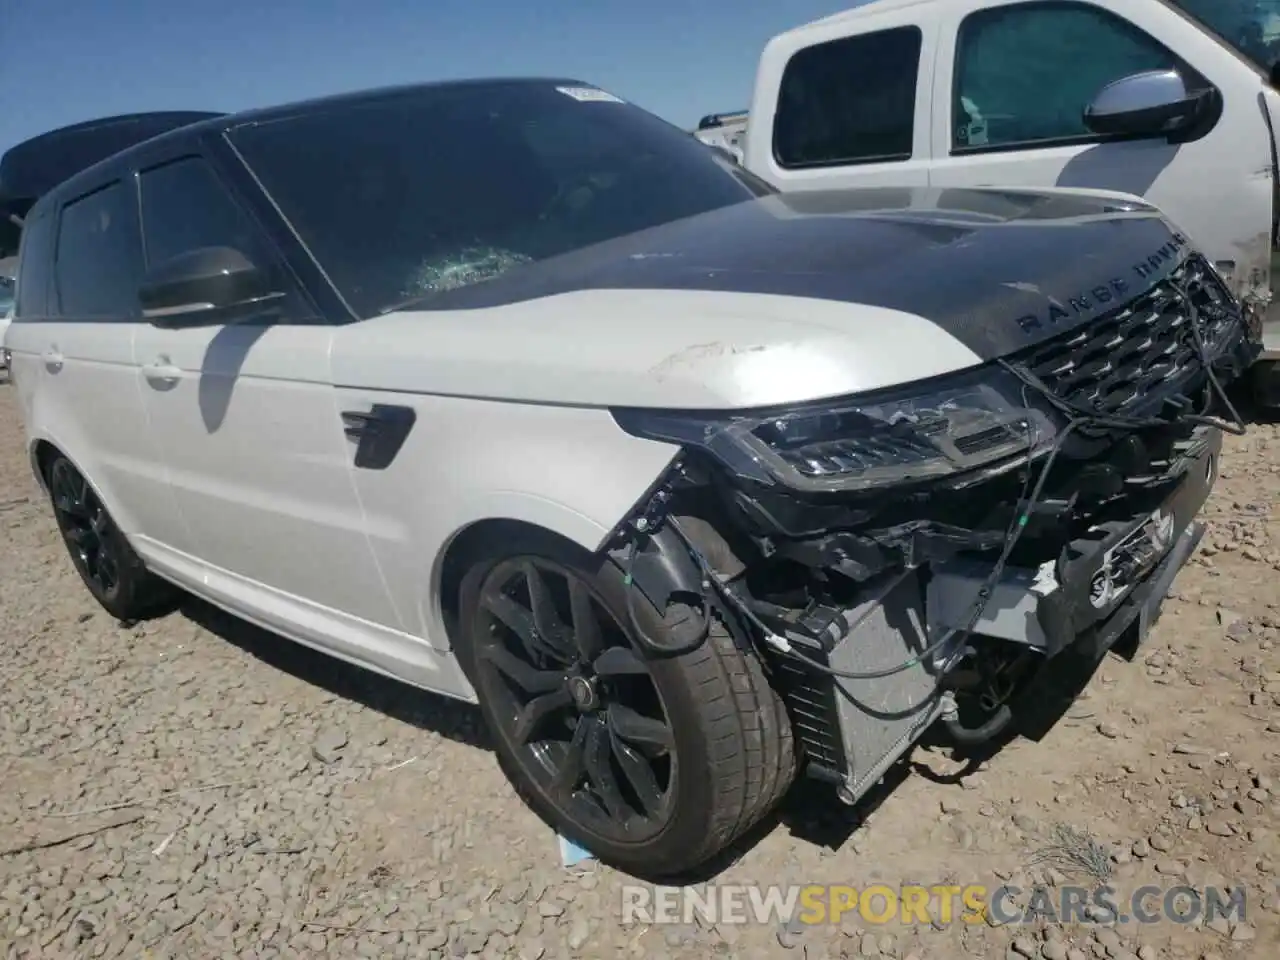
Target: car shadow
<point>1245,400</point>
<point>811,812</point>
<point>454,719</point>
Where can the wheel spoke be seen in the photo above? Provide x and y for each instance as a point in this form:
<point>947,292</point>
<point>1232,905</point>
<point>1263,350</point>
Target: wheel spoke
<point>525,676</point>
<point>532,714</point>
<point>65,497</point>
<point>93,565</point>
<point>107,571</point>
<point>520,622</point>
<point>619,662</point>
<point>545,617</point>
<point>639,774</point>
<point>651,737</point>
<point>569,777</point>
<point>586,628</point>
<point>601,773</point>
<point>82,498</point>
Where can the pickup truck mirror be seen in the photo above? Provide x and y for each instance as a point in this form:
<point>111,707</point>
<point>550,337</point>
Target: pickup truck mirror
<point>201,287</point>
<point>1151,103</point>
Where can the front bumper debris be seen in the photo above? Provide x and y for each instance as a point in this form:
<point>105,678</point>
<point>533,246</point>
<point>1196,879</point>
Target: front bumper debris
<point>1108,584</point>
<point>1053,606</point>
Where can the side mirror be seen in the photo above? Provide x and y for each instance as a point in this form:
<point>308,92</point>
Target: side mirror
<point>1152,103</point>
<point>201,286</point>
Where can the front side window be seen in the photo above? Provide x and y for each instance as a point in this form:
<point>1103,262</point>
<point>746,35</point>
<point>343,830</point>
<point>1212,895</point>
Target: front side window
<point>98,265</point>
<point>185,207</point>
<point>851,100</point>
<point>409,194</point>
<point>1025,73</point>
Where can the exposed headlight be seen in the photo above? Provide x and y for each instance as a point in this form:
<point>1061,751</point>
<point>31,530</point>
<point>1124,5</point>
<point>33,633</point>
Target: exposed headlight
<point>941,428</point>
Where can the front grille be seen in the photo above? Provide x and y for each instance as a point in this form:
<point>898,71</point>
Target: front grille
<point>1113,363</point>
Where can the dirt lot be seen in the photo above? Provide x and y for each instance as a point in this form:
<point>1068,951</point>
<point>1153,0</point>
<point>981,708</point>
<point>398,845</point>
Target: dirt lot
<point>200,789</point>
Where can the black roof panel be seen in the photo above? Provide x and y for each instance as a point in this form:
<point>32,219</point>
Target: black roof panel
<point>34,167</point>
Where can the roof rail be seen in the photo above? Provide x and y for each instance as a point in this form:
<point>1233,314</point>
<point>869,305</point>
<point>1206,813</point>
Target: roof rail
<point>720,119</point>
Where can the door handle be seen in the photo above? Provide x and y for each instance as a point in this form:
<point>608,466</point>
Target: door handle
<point>161,374</point>
<point>52,360</point>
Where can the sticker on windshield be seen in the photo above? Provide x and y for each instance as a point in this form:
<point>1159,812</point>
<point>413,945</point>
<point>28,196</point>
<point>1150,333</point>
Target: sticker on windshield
<point>588,95</point>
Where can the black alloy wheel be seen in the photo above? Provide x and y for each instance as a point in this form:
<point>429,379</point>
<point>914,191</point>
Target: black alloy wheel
<point>574,703</point>
<point>87,529</point>
<point>100,552</point>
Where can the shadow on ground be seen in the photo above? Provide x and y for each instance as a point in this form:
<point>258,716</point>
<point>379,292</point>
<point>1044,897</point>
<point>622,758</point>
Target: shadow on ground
<point>813,814</point>
<point>449,718</point>
<point>1246,401</point>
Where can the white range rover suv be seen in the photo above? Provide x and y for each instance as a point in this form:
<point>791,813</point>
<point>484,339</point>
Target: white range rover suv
<point>515,392</point>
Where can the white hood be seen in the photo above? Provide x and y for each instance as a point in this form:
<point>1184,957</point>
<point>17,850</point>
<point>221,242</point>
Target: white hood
<point>648,348</point>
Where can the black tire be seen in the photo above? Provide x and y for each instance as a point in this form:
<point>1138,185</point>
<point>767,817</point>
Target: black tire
<point>732,738</point>
<point>100,552</point>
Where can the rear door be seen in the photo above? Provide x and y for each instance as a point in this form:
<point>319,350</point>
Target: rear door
<point>1011,86</point>
<point>73,349</point>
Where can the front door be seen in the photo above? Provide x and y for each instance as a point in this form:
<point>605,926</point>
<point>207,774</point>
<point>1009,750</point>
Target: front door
<point>1011,86</point>
<point>247,423</point>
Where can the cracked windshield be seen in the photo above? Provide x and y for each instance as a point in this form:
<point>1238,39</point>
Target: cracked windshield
<point>530,174</point>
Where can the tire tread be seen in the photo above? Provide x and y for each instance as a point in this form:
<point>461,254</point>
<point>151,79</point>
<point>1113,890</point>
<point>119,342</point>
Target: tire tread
<point>747,731</point>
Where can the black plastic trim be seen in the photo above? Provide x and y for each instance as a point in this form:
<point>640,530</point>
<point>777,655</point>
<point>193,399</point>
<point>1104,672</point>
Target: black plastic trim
<point>379,433</point>
<point>662,567</point>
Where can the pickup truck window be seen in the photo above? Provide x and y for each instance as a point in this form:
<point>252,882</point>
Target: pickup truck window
<point>851,100</point>
<point>1250,27</point>
<point>98,265</point>
<point>1028,71</point>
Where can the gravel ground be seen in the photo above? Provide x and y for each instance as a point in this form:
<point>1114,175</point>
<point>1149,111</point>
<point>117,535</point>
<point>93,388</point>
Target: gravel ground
<point>192,787</point>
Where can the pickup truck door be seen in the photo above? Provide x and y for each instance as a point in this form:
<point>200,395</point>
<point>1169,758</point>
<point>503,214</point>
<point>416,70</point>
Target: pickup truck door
<point>1011,83</point>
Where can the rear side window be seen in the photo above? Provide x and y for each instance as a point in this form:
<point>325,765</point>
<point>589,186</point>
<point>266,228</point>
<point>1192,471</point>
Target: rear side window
<point>185,207</point>
<point>1025,73</point>
<point>35,262</point>
<point>851,100</point>
<point>98,265</point>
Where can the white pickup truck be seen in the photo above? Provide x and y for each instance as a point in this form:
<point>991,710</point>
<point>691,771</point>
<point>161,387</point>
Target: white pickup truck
<point>1175,101</point>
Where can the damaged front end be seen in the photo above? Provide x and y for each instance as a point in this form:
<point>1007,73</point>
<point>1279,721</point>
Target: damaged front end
<point>920,554</point>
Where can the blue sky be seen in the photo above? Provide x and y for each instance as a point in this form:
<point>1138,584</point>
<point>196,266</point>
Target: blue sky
<point>62,61</point>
